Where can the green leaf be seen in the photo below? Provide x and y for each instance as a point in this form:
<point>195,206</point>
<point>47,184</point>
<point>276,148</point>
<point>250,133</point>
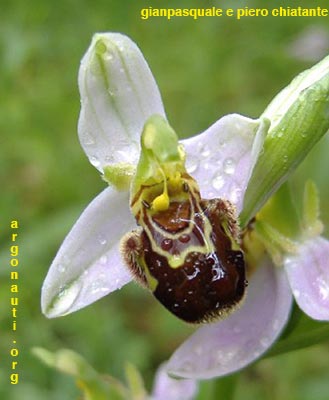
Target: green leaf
<point>299,117</point>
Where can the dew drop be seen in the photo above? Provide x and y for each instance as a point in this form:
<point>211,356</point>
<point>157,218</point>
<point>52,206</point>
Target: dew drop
<point>280,133</point>
<point>108,57</point>
<point>192,164</point>
<point>103,260</point>
<point>98,286</point>
<point>218,181</point>
<point>102,240</point>
<point>65,298</point>
<point>235,195</point>
<point>61,268</point>
<point>94,161</point>
<point>229,166</point>
<point>205,151</point>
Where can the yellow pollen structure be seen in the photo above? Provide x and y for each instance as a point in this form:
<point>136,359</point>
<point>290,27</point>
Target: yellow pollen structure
<point>161,203</point>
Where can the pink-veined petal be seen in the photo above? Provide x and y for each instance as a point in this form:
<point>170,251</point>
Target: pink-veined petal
<point>222,158</point>
<point>118,94</point>
<point>229,345</point>
<point>308,274</point>
<point>88,265</point>
<point>167,388</point>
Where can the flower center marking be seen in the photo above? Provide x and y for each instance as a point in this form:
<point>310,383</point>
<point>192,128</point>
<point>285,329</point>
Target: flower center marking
<point>186,249</point>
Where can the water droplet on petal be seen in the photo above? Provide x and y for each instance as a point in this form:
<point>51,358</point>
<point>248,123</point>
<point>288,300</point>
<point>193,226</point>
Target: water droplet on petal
<point>102,240</point>
<point>98,286</point>
<point>205,151</point>
<point>229,166</point>
<point>192,164</point>
<point>94,161</point>
<point>61,268</point>
<point>66,298</point>
<point>235,195</point>
<point>280,133</point>
<point>108,57</point>
<point>103,260</point>
<point>218,181</point>
<point>323,288</point>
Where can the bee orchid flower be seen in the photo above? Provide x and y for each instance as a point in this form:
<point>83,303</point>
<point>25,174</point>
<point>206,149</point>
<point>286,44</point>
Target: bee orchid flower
<point>201,186</point>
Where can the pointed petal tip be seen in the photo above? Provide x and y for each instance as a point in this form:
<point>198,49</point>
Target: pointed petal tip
<point>227,346</point>
<point>167,387</point>
<point>88,265</point>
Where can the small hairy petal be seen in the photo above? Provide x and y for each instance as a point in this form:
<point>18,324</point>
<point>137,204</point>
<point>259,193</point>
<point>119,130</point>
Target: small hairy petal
<point>167,388</point>
<point>88,265</point>
<point>222,158</point>
<point>308,274</point>
<point>229,345</point>
<point>118,94</point>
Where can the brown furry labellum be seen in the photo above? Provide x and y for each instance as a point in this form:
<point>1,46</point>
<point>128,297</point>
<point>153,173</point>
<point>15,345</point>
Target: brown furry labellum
<point>188,255</point>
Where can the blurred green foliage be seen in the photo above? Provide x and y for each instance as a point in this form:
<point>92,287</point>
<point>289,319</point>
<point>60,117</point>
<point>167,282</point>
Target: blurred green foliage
<point>205,69</point>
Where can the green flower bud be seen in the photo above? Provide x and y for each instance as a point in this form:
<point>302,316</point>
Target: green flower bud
<point>299,117</point>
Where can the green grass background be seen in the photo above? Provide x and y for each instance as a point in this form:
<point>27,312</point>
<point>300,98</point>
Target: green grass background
<point>205,69</point>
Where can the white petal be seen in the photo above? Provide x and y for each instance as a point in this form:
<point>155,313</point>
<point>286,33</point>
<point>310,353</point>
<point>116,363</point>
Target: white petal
<point>227,346</point>
<point>88,265</point>
<point>118,93</point>
<point>308,274</point>
<point>222,158</point>
<point>167,388</point>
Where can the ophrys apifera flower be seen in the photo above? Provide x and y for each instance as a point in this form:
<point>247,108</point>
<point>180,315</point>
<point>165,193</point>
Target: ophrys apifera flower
<point>171,212</point>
